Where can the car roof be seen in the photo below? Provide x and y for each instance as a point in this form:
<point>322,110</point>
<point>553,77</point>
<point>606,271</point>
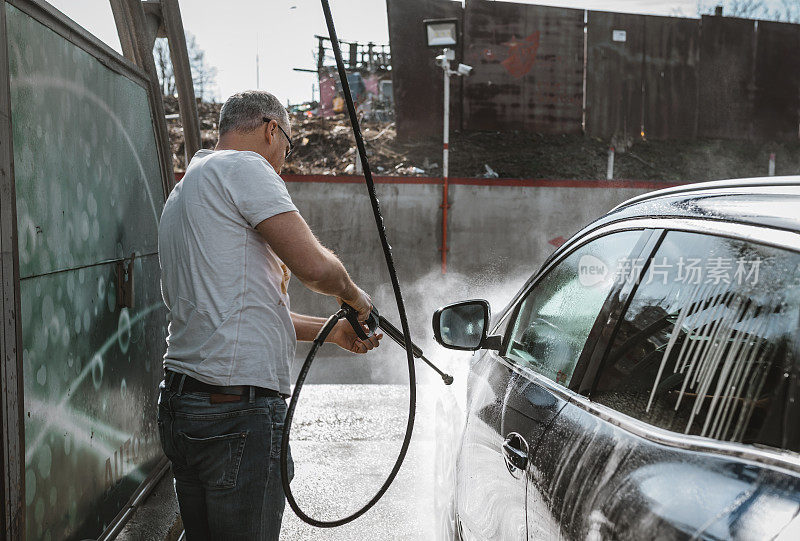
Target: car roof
<point>771,202</point>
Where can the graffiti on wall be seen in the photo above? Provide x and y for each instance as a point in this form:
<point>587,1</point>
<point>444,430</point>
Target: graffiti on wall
<point>521,55</point>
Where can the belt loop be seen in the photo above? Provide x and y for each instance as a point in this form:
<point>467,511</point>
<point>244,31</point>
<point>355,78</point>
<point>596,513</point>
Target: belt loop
<point>252,395</point>
<point>180,385</point>
<point>169,378</point>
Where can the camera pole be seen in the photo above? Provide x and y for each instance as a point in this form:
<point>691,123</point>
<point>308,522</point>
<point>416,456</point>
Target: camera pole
<point>445,151</point>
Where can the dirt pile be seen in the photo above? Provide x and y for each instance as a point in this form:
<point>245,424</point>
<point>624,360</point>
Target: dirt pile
<point>209,117</point>
<point>327,147</point>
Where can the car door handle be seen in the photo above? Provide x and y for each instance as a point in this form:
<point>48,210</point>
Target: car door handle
<point>515,452</point>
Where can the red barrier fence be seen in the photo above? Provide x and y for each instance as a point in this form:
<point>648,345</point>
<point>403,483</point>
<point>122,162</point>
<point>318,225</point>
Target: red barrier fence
<point>512,182</point>
<point>482,182</point>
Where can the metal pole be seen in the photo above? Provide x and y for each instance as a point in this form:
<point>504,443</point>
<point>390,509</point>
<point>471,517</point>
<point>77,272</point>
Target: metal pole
<point>445,164</point>
<point>179,55</point>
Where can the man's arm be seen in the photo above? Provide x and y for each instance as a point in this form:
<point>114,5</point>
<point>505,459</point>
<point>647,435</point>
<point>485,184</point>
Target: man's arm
<point>314,265</point>
<point>307,327</point>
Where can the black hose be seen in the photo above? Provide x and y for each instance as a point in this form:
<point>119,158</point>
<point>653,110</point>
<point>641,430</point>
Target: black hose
<point>326,329</point>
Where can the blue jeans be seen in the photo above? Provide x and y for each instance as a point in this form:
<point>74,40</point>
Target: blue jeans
<point>226,462</point>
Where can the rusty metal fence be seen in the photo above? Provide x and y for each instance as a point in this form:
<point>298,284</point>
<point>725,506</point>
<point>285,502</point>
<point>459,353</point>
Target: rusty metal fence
<point>528,67</point>
<point>609,75</point>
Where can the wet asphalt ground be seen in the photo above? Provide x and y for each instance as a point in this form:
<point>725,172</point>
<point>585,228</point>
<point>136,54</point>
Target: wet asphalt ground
<point>345,439</point>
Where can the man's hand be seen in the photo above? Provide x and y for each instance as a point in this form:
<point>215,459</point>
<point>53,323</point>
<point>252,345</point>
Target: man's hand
<point>360,301</point>
<point>345,337</point>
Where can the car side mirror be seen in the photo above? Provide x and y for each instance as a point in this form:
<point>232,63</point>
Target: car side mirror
<point>463,325</point>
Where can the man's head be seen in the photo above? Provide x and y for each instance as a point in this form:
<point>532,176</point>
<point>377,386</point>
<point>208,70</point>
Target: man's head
<point>256,120</point>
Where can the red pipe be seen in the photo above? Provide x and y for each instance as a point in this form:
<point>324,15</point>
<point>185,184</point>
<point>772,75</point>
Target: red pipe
<point>445,206</point>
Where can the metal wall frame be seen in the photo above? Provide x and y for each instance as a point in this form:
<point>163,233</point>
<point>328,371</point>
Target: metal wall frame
<point>139,23</point>
<point>137,45</point>
<point>12,476</point>
<point>12,469</point>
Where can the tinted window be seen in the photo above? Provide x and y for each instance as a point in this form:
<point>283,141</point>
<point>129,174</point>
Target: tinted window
<point>706,345</point>
<point>556,316</point>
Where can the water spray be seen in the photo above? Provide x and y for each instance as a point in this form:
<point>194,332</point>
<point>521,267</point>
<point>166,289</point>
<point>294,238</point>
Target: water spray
<point>373,322</point>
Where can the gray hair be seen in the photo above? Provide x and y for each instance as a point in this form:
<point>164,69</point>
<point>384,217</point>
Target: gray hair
<point>245,111</point>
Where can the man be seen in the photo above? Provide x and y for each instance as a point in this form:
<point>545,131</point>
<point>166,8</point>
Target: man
<point>228,239</point>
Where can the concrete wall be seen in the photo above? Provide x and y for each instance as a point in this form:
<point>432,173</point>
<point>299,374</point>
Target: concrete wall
<point>497,235</point>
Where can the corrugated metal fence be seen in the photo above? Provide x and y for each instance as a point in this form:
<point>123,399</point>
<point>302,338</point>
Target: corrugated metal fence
<point>557,70</point>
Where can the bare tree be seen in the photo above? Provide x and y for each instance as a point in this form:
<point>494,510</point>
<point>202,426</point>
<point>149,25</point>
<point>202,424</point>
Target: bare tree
<point>786,11</point>
<point>203,75</point>
<point>771,10</point>
<point>164,67</point>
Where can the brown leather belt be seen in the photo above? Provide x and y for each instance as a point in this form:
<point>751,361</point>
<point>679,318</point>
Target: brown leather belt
<point>220,393</point>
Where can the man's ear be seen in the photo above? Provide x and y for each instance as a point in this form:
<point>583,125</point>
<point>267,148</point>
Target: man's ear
<point>269,134</point>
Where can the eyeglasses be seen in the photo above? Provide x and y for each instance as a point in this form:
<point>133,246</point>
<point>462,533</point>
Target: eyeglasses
<point>291,145</point>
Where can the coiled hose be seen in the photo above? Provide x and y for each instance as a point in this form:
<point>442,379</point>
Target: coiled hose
<point>326,329</point>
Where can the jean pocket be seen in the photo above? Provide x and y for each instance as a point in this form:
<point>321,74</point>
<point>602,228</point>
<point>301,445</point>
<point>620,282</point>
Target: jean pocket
<point>275,452</point>
<point>277,438</point>
<point>216,459</point>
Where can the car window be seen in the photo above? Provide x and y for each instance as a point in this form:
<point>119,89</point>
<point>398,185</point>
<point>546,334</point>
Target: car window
<point>555,317</point>
<point>707,341</point>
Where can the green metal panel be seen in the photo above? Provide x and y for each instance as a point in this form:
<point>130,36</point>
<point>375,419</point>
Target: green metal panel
<point>89,190</point>
<point>87,173</point>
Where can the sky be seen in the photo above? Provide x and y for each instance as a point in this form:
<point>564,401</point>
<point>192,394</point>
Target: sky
<point>231,32</point>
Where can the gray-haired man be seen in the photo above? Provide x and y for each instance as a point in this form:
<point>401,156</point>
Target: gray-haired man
<point>228,239</point>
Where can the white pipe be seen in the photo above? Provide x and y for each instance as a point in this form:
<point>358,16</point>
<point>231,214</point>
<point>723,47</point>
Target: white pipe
<point>610,168</point>
<point>446,135</point>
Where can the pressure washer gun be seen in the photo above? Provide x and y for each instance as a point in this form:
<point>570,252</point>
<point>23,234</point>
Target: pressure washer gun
<point>376,321</point>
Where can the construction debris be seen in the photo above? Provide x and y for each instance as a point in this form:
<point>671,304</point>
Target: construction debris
<point>327,147</point>
<point>490,173</point>
<point>209,117</point>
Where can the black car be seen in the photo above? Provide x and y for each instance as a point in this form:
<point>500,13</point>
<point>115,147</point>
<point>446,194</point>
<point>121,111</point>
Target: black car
<point>645,383</point>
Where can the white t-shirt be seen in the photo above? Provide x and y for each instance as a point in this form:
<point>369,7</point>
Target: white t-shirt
<point>226,290</point>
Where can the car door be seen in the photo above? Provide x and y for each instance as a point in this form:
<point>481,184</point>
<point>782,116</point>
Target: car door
<point>508,411</point>
<point>692,403</point>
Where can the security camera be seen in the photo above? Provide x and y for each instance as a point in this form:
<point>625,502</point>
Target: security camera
<point>440,60</point>
<point>463,69</point>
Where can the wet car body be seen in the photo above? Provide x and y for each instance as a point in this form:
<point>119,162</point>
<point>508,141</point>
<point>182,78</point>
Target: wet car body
<point>598,449</point>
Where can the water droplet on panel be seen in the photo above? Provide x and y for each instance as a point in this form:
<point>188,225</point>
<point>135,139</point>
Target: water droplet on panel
<point>97,370</point>
<point>45,461</point>
<point>38,512</point>
<point>91,204</point>
<point>84,226</point>
<point>124,330</point>
<point>41,375</point>
<point>30,486</point>
<point>47,309</point>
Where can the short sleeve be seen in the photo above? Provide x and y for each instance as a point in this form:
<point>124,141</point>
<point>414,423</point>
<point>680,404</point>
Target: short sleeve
<point>257,191</point>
